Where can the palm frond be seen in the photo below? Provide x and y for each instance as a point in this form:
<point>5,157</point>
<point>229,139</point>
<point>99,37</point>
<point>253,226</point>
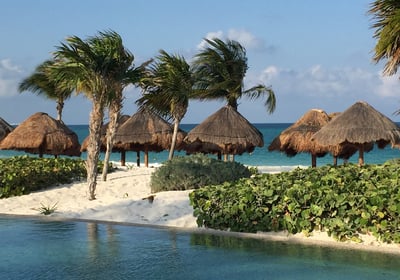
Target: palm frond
<point>386,17</point>
<point>260,91</point>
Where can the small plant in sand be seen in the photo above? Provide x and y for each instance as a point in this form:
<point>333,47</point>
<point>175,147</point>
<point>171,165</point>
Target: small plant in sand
<point>47,209</point>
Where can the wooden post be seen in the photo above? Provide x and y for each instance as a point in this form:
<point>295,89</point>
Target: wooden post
<point>313,160</point>
<point>146,157</point>
<point>123,158</point>
<point>361,155</point>
<point>335,161</point>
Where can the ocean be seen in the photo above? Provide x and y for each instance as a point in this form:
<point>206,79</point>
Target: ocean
<point>261,157</point>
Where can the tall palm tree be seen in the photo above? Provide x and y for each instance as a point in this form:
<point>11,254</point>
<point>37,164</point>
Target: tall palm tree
<point>220,69</point>
<point>120,73</point>
<point>40,82</point>
<point>168,86</point>
<point>88,66</point>
<point>386,14</point>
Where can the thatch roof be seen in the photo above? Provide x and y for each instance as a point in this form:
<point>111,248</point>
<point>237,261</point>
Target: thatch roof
<point>359,125</point>
<point>146,131</point>
<point>229,130</point>
<point>5,128</point>
<point>41,134</point>
<point>297,138</point>
<point>116,148</point>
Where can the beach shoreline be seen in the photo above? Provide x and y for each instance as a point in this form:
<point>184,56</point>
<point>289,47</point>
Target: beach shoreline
<point>122,200</point>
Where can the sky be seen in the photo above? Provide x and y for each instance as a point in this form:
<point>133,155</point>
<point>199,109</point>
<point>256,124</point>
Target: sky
<point>312,53</point>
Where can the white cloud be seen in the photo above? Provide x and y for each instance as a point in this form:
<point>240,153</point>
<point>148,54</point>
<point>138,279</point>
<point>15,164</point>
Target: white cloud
<point>10,76</point>
<point>321,82</point>
<point>245,38</point>
<point>389,86</point>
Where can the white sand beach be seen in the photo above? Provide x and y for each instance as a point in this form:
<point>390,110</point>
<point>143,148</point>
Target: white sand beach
<point>122,199</point>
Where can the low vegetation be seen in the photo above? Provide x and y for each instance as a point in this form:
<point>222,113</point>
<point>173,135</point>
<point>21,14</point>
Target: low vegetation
<point>345,201</point>
<point>47,209</point>
<point>195,171</point>
<point>23,174</point>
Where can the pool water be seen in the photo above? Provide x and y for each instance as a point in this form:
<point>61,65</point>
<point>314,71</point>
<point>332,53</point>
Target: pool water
<point>43,249</point>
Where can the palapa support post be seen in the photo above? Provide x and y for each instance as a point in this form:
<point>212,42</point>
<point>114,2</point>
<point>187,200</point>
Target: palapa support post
<point>123,158</point>
<point>361,155</point>
<point>313,160</point>
<point>146,156</point>
<point>138,158</point>
<point>335,161</point>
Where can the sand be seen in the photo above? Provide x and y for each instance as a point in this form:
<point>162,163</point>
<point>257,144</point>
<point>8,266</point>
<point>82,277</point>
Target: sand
<point>123,199</point>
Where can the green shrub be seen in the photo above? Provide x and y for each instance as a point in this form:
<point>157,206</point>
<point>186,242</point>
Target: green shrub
<point>23,174</point>
<point>195,171</point>
<point>345,201</point>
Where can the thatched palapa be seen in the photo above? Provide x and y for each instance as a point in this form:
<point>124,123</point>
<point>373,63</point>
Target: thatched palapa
<point>359,125</point>
<point>41,134</point>
<point>297,138</point>
<point>5,128</point>
<point>145,131</point>
<point>228,130</point>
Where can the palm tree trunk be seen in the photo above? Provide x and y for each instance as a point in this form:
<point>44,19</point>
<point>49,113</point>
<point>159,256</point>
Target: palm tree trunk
<point>114,112</point>
<point>93,149</point>
<point>59,108</point>
<point>112,127</point>
<point>173,142</point>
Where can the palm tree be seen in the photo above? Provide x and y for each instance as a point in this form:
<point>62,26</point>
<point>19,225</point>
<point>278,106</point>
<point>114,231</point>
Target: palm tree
<point>387,32</point>
<point>88,66</point>
<point>121,73</point>
<point>168,86</point>
<point>41,83</point>
<point>220,69</point>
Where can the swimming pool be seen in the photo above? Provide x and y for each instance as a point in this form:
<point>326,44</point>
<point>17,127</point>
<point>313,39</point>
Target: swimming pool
<point>43,249</point>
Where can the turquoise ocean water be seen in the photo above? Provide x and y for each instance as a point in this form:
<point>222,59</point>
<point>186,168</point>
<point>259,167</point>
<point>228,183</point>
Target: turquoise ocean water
<point>260,157</point>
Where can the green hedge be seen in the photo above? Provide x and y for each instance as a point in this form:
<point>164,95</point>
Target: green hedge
<point>344,201</point>
<point>195,171</point>
<point>23,174</point>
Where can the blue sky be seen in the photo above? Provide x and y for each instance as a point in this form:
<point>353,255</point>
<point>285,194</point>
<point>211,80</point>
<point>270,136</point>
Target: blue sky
<point>314,54</point>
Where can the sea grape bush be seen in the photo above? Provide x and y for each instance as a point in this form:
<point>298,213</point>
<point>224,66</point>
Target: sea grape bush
<point>195,171</point>
<point>23,174</point>
<point>345,201</point>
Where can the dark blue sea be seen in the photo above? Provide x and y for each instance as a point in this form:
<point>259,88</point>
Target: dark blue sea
<point>261,157</point>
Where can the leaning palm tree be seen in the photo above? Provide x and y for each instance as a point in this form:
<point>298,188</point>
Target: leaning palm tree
<point>42,84</point>
<point>220,69</point>
<point>167,87</point>
<point>87,65</point>
<point>386,14</point>
<point>121,72</point>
